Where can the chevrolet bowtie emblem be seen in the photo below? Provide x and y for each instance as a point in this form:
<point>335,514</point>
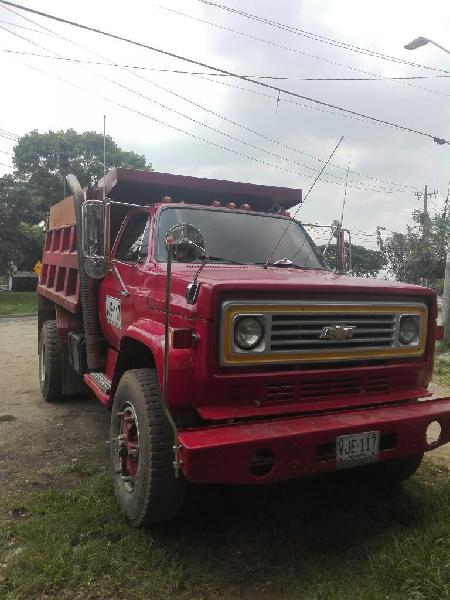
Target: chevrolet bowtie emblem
<point>337,332</point>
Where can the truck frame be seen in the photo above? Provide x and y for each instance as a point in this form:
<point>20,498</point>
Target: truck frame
<point>207,321</point>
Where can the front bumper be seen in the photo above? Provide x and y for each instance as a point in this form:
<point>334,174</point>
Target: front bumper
<point>305,445</point>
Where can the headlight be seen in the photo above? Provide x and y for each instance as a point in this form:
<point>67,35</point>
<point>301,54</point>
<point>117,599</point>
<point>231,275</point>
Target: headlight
<point>408,332</point>
<point>248,333</point>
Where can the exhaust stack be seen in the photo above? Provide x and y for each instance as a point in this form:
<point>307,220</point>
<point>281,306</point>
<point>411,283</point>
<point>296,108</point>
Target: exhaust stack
<point>87,295</point>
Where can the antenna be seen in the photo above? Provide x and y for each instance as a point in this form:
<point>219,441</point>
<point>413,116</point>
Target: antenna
<point>104,157</point>
<point>345,193</point>
<point>266,264</point>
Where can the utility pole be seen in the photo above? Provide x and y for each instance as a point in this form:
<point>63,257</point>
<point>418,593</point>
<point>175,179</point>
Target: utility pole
<point>446,294</point>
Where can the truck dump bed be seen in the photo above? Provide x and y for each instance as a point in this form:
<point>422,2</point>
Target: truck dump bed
<point>59,279</point>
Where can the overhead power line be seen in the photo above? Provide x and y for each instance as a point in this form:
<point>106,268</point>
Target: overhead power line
<point>210,73</point>
<point>52,32</point>
<point>318,37</point>
<point>214,129</point>
<point>8,136</point>
<point>296,50</point>
<point>21,26</point>
<point>159,121</point>
<point>275,166</point>
<point>227,119</point>
<point>436,139</point>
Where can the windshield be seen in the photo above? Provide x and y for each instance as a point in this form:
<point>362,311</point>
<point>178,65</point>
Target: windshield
<point>242,238</point>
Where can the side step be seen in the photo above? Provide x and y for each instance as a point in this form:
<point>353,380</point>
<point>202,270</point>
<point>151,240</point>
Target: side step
<point>100,384</point>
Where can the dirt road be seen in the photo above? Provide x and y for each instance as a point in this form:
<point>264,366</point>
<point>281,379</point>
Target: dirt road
<point>41,443</point>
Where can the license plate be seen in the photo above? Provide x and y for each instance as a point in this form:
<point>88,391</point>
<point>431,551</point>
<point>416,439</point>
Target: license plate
<point>357,449</point>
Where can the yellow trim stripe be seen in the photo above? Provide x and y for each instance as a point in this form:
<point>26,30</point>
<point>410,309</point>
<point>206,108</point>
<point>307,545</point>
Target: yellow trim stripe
<point>232,358</point>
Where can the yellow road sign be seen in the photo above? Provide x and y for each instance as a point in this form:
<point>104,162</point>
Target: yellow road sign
<point>38,268</point>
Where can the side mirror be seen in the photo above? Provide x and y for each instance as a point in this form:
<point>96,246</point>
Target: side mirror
<point>95,237</point>
<point>186,243</point>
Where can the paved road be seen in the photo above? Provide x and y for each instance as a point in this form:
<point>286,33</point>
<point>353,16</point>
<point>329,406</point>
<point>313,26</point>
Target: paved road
<point>37,438</point>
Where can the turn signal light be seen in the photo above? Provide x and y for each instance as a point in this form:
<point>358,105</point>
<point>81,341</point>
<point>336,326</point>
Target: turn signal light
<point>182,338</point>
<point>439,332</point>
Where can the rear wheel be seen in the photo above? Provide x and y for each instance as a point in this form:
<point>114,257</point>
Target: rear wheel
<point>50,362</point>
<point>142,452</point>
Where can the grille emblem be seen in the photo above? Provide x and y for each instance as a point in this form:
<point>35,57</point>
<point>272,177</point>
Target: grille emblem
<point>337,332</point>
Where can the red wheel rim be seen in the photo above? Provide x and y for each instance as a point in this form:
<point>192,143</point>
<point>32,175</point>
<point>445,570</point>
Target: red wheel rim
<point>128,446</point>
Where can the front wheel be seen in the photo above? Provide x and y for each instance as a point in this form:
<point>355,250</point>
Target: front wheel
<point>394,472</point>
<point>390,473</point>
<point>142,452</point>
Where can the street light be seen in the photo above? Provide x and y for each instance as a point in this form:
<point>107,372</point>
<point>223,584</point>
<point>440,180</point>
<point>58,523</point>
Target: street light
<point>420,41</point>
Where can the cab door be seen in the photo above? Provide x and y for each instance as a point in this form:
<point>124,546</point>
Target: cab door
<point>119,288</point>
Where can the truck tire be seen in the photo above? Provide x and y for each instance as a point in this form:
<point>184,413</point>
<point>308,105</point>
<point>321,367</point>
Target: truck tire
<point>388,474</point>
<point>50,362</point>
<point>142,452</point>
<point>394,472</point>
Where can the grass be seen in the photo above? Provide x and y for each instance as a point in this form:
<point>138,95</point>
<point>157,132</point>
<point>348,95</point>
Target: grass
<point>305,541</point>
<point>12,303</point>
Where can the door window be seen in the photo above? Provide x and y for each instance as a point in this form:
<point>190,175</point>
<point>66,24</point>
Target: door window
<point>133,246</point>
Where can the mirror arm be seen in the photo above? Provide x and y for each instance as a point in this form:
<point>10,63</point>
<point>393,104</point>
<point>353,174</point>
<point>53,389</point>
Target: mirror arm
<point>118,278</point>
<point>191,243</point>
<point>193,287</point>
<point>205,259</point>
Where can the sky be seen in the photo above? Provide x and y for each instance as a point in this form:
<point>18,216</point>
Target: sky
<point>226,128</point>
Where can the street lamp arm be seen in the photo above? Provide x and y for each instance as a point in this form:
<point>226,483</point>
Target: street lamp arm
<point>439,46</point>
<point>420,41</point>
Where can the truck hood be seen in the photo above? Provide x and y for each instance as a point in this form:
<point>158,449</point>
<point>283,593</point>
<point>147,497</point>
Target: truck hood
<point>251,281</point>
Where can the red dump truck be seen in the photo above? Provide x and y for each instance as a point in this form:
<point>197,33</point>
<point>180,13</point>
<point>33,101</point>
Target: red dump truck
<point>207,321</point>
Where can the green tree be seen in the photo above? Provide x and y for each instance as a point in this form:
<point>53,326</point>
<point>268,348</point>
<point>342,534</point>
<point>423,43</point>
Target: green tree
<point>420,252</point>
<point>18,244</point>
<point>365,262</point>
<point>44,159</point>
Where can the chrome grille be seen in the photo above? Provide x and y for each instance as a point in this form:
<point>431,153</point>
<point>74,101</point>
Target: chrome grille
<point>290,332</point>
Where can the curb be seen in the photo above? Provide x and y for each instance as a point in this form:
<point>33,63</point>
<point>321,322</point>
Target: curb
<point>19,316</point>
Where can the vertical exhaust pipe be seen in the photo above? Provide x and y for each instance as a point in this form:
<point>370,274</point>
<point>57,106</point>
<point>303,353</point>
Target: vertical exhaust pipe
<point>87,293</point>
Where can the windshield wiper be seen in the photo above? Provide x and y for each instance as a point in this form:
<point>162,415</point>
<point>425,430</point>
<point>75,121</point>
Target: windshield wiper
<point>283,265</point>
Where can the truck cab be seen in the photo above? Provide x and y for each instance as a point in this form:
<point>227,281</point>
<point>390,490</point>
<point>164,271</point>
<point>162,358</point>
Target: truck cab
<point>207,321</point>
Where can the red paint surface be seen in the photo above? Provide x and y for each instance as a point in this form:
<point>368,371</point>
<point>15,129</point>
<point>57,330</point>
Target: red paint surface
<point>223,454</point>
